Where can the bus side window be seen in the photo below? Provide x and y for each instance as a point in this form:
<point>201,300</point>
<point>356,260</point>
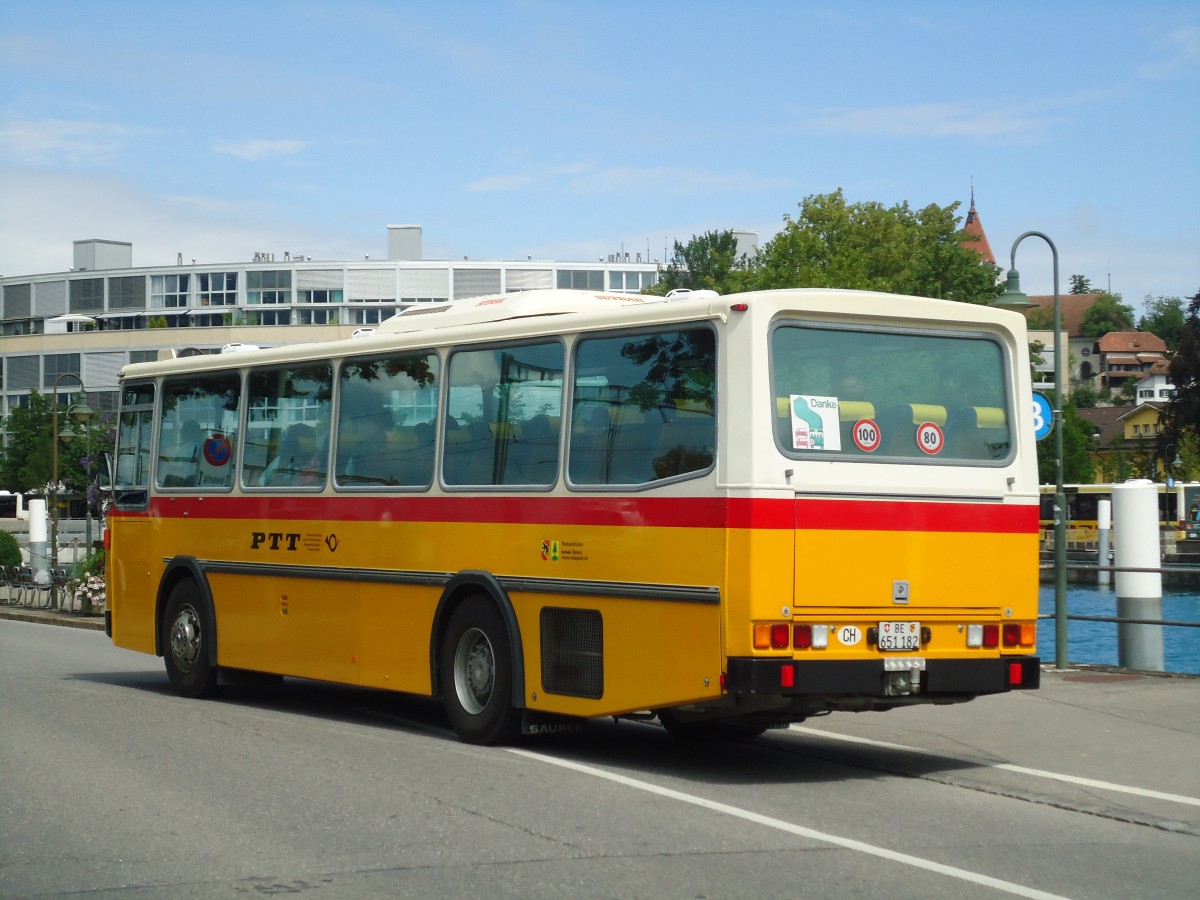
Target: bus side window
<point>291,425</point>
<point>658,388</point>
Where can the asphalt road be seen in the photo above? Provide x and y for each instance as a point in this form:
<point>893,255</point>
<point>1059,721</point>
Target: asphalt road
<point>111,786</point>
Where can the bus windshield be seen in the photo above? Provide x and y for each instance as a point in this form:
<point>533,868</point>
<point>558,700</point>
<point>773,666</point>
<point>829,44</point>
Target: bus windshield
<point>871,393</point>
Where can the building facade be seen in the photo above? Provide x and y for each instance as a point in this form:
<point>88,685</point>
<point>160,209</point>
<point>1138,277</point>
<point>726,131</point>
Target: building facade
<point>104,313</point>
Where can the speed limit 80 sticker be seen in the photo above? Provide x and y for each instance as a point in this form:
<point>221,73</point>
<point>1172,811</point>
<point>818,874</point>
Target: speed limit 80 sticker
<point>930,438</point>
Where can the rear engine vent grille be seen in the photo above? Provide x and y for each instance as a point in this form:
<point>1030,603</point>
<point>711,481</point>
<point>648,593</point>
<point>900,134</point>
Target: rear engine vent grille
<point>573,652</point>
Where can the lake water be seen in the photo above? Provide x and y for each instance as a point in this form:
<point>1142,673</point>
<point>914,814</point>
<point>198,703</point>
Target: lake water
<point>1096,642</point>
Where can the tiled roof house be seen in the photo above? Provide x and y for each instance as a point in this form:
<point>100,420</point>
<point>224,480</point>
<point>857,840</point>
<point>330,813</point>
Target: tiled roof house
<point>1128,354</point>
<point>1080,349</point>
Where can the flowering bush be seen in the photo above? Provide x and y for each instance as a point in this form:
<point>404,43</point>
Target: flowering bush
<point>90,593</point>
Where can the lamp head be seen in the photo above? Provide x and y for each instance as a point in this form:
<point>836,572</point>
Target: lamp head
<point>80,411</point>
<point>1012,297</point>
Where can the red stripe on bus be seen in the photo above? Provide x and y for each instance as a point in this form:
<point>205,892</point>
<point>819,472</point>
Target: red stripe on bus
<point>901,515</point>
<point>658,512</point>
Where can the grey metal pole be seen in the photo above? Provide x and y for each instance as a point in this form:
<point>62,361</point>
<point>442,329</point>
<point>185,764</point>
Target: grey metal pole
<point>1060,497</point>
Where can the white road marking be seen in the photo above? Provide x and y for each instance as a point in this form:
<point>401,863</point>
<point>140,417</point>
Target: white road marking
<point>1008,767</point>
<point>1019,890</point>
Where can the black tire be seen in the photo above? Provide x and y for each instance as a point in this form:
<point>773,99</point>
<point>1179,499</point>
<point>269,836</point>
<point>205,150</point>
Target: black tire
<point>730,729</point>
<point>475,670</point>
<point>188,641</point>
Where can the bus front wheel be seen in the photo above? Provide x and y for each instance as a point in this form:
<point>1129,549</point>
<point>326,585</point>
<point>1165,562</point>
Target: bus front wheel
<point>186,638</point>
<point>476,674</point>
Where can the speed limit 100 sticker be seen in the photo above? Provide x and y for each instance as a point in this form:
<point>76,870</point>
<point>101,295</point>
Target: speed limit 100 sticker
<point>866,435</point>
<point>930,438</point>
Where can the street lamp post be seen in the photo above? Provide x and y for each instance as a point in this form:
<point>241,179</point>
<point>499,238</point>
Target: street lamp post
<point>1012,298</point>
<point>80,412</point>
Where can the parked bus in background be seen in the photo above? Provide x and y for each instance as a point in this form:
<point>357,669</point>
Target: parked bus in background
<point>734,512</point>
<point>1178,509</point>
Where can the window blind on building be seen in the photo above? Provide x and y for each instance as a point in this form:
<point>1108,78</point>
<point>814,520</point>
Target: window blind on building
<point>49,298</point>
<point>100,370</point>
<point>372,284</point>
<point>18,301</point>
<point>476,282</point>
<point>424,284</point>
<point>528,279</point>
<point>24,373</point>
<point>319,279</point>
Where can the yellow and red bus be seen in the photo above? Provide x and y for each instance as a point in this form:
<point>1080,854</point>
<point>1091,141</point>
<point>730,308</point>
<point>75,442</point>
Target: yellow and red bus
<point>731,511</point>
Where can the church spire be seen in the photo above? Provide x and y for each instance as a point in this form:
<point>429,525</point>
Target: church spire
<point>976,237</point>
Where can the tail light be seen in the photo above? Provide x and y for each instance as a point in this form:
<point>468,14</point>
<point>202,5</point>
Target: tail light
<point>762,637</point>
<point>779,635</point>
<point>991,636</point>
<point>1011,634</point>
<point>802,637</point>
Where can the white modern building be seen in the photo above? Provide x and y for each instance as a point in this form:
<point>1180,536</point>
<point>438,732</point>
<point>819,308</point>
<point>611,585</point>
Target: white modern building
<point>103,313</point>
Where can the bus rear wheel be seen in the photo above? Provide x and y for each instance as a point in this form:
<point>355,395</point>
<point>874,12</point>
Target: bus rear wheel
<point>476,672</point>
<point>187,636</point>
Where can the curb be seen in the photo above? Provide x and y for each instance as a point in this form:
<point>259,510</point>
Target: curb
<point>52,617</point>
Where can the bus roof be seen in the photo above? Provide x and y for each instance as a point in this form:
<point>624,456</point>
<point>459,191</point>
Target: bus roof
<point>515,305</point>
<point>505,312</point>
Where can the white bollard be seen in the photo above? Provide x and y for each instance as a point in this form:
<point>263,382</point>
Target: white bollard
<point>1103,540</point>
<point>38,540</point>
<point>1139,594</point>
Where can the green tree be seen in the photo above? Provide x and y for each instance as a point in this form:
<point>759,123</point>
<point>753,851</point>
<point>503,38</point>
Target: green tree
<point>1078,465</point>
<point>1164,317</point>
<point>868,246</point>
<point>707,262</point>
<point>1107,314</point>
<point>1040,319</point>
<point>1080,284</point>
<point>1187,449</point>
<point>26,463</point>
<point>1183,411</point>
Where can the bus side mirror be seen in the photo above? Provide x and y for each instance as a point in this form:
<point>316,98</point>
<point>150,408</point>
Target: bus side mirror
<point>104,481</point>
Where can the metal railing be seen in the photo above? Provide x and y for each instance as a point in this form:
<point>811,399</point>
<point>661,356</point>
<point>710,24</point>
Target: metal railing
<point>1119,620</point>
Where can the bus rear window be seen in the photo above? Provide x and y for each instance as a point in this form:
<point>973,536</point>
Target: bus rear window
<point>874,394</point>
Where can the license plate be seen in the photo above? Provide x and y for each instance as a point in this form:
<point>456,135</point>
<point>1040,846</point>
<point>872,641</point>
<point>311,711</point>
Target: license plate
<point>899,635</point>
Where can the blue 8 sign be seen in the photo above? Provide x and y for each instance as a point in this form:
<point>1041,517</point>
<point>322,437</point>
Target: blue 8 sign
<point>1043,416</point>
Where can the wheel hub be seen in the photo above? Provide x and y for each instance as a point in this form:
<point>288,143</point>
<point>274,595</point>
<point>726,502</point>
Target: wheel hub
<point>185,639</point>
<point>474,671</point>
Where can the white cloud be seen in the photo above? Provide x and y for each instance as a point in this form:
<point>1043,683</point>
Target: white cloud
<point>63,141</point>
<point>257,148</point>
<point>580,178</point>
<point>502,183</point>
<point>57,209</point>
<point>1180,54</point>
<point>960,119</point>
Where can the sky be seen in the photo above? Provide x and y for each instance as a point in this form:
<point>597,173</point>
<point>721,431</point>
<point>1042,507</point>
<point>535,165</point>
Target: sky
<point>572,130</point>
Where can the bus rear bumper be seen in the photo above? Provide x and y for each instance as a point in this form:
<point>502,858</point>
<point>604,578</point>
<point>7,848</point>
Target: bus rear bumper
<point>949,678</point>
